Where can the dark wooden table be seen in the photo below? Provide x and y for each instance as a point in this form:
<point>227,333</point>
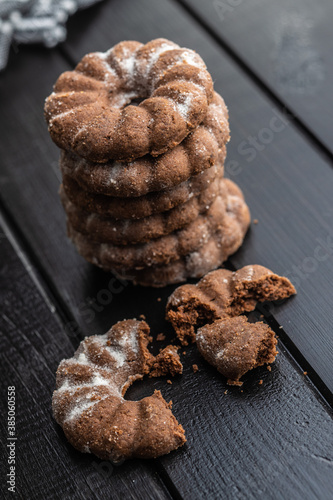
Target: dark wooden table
<point>273,64</point>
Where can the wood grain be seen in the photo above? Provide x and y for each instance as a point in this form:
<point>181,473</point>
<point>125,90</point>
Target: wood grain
<point>287,47</point>
<point>288,185</point>
<point>236,437</point>
<point>278,430</point>
<point>32,342</point>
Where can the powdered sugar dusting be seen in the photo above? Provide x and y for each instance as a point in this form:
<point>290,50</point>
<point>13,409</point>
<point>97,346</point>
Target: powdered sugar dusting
<point>100,381</point>
<point>156,53</point>
<point>220,354</point>
<point>128,65</point>
<point>115,172</point>
<point>129,339</point>
<point>192,58</point>
<point>250,274</point>
<point>104,55</point>
<point>109,71</point>
<point>233,205</point>
<point>184,107</point>
<point>115,351</point>
<point>123,99</point>
<point>61,115</point>
<point>118,356</point>
<point>85,404</point>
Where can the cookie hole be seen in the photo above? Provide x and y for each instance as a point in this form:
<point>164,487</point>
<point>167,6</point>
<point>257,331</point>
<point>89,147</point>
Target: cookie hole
<point>125,99</point>
<point>136,101</point>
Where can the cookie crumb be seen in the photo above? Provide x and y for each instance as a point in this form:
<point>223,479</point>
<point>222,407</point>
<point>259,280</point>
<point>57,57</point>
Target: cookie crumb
<point>261,316</point>
<point>159,299</point>
<point>169,381</point>
<point>195,368</point>
<point>260,382</point>
<point>184,352</point>
<point>255,221</point>
<point>142,316</point>
<point>160,337</point>
<point>280,327</point>
<point>269,368</point>
<point>305,373</point>
<point>167,362</point>
<point>226,391</point>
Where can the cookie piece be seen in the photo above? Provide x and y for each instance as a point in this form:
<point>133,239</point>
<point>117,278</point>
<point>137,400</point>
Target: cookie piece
<point>212,254</point>
<point>204,147</point>
<point>90,110</point>
<point>143,206</point>
<point>166,362</point>
<point>128,231</point>
<point>235,346</point>
<point>222,294</point>
<point>89,401</point>
<point>156,252</point>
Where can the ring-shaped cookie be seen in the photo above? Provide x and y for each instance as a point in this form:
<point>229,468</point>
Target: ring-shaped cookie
<point>209,252</point>
<point>90,110</point>
<point>89,401</point>
<point>201,149</point>
<point>141,206</point>
<point>220,245</point>
<point>133,231</point>
<point>155,252</point>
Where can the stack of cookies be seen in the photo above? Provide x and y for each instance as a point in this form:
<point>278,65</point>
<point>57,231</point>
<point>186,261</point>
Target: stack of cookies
<point>143,137</point>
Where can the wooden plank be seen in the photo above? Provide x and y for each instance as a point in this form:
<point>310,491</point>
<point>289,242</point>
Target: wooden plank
<point>287,46</point>
<point>32,342</point>
<point>247,433</point>
<point>259,443</point>
<point>292,201</point>
<point>277,430</point>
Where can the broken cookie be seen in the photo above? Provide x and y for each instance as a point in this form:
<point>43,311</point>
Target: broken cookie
<point>89,401</point>
<point>166,362</point>
<point>223,294</point>
<point>235,346</point>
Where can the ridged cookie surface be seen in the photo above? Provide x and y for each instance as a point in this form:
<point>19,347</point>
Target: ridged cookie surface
<point>90,110</point>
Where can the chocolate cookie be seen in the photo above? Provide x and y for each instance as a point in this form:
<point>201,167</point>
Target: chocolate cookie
<point>219,246</point>
<point>235,346</point>
<point>101,229</point>
<point>143,206</point>
<point>166,362</point>
<point>156,252</point>
<point>223,294</point>
<point>200,150</point>
<point>89,401</point>
<point>90,110</point>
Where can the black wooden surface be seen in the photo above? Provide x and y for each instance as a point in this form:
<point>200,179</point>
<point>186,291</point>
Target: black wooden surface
<point>280,430</point>
<point>288,47</point>
<point>33,341</point>
<point>288,185</point>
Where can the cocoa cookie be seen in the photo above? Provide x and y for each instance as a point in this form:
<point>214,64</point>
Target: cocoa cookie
<point>90,110</point>
<point>89,401</point>
<point>166,362</point>
<point>225,241</point>
<point>143,206</point>
<point>204,147</point>
<point>235,346</point>
<point>223,294</point>
<point>128,231</point>
<point>155,252</point>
